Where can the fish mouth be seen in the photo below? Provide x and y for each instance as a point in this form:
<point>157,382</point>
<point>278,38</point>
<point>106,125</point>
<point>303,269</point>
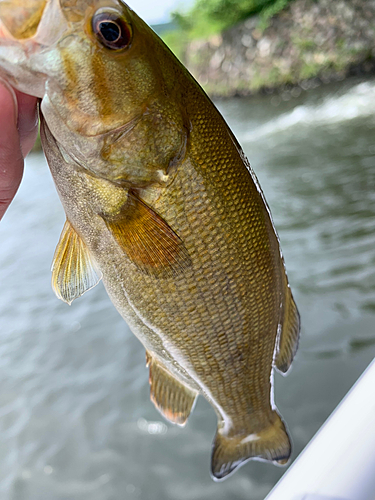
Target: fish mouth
<point>27,31</point>
<point>21,19</point>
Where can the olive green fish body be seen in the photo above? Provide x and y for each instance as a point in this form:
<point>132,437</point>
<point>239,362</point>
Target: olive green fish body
<point>164,206</point>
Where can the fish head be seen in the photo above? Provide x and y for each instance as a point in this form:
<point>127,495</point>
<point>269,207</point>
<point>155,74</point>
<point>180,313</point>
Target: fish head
<point>83,57</point>
<point>99,72</point>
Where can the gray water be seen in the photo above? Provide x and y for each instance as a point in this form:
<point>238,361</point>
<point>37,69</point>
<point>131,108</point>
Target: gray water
<point>76,422</point>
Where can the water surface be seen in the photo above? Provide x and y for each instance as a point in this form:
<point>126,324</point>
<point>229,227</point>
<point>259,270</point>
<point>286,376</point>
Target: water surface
<point>76,422</point>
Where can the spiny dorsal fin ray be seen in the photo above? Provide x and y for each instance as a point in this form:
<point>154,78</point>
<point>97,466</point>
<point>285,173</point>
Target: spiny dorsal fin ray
<point>271,443</point>
<point>73,270</point>
<point>289,336</point>
<point>173,399</point>
<point>147,239</point>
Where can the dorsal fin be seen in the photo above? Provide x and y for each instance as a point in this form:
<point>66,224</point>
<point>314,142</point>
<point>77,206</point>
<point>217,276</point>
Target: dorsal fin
<point>289,336</point>
<point>147,239</point>
<point>173,399</point>
<point>73,270</point>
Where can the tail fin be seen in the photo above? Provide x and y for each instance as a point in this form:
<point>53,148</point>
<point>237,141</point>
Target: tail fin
<point>272,443</point>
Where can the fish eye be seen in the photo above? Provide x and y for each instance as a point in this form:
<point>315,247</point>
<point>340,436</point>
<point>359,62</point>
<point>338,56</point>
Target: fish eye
<point>111,30</point>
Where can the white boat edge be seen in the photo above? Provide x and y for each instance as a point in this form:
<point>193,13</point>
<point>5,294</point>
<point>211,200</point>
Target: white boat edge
<point>339,461</point>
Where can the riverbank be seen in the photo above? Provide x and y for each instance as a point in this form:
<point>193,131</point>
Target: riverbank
<point>308,41</point>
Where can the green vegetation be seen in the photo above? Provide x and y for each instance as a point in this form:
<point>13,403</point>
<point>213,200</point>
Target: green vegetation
<point>38,144</point>
<point>271,10</point>
<point>213,16</point>
<point>303,43</point>
<point>208,17</point>
<point>177,41</point>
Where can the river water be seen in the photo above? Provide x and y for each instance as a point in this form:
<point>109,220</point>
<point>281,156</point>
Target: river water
<point>76,422</point>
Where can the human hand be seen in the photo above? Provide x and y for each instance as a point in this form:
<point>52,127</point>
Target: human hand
<point>18,131</point>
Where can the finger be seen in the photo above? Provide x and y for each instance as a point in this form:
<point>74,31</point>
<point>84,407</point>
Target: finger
<point>11,158</point>
<point>27,121</point>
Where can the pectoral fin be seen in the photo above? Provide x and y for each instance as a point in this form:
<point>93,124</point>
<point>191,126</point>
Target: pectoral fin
<point>73,270</point>
<point>173,399</point>
<point>147,239</point>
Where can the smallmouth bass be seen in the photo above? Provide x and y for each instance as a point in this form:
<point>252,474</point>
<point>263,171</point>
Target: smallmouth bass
<point>163,206</point>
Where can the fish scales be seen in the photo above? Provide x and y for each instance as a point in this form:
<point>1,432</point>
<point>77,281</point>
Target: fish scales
<point>163,205</point>
<point>185,334</point>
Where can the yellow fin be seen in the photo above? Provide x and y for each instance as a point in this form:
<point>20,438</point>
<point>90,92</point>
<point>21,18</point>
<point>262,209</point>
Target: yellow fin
<point>73,270</point>
<point>271,443</point>
<point>289,336</point>
<point>173,399</point>
<point>147,239</point>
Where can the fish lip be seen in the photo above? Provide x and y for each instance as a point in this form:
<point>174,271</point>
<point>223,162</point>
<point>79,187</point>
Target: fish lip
<point>4,33</point>
<point>47,26</point>
<point>15,66</point>
<point>18,56</point>
<point>22,18</point>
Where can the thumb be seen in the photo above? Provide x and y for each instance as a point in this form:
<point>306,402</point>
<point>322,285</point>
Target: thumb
<point>11,158</point>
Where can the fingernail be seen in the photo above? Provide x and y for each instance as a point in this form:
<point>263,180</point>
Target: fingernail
<point>10,89</point>
<point>28,118</point>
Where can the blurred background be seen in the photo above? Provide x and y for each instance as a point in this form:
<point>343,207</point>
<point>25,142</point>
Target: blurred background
<point>76,422</point>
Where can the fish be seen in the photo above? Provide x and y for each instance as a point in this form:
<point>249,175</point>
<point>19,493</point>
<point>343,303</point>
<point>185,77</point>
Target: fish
<point>163,206</point>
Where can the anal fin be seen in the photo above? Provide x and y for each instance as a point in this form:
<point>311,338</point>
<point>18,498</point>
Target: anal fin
<point>289,336</point>
<point>73,270</point>
<point>173,399</point>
